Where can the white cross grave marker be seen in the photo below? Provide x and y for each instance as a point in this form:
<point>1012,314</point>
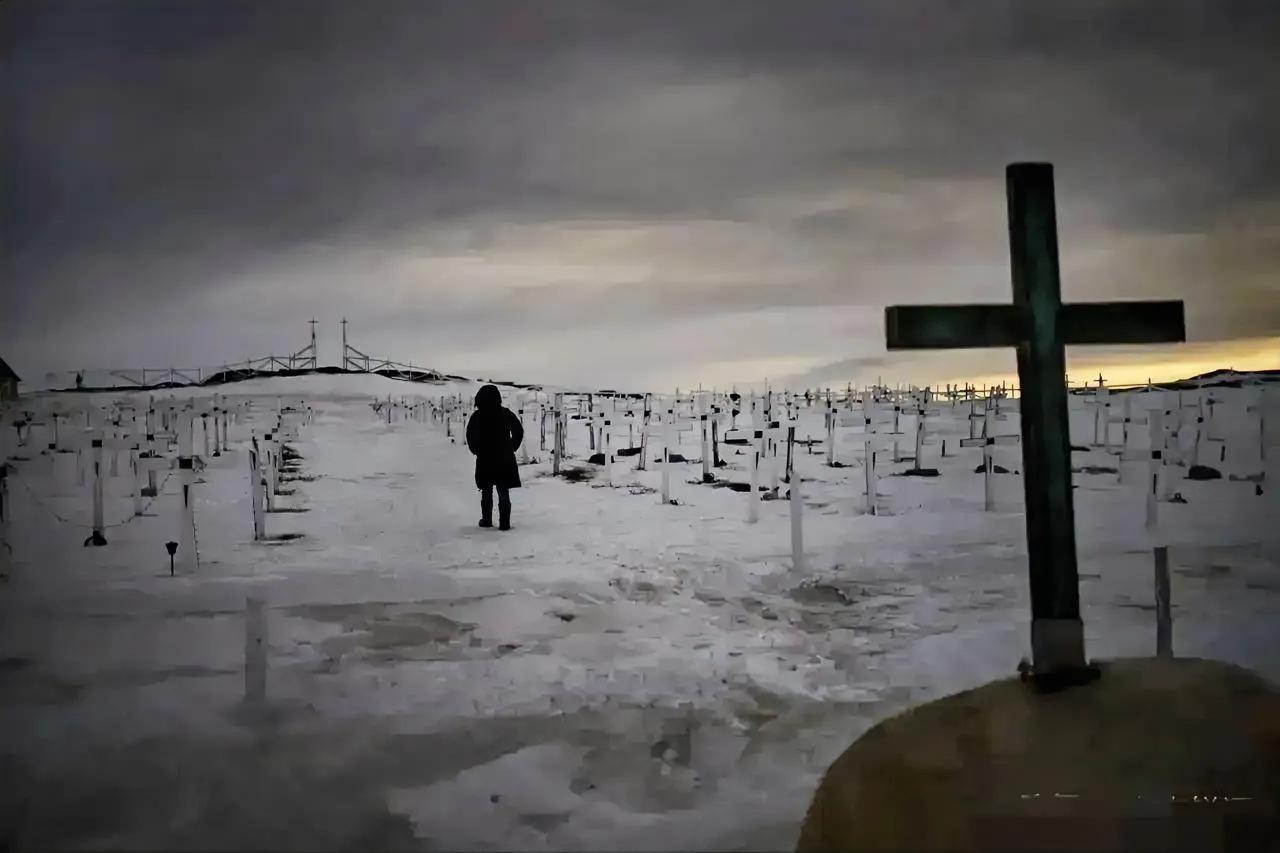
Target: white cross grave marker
<point>987,442</point>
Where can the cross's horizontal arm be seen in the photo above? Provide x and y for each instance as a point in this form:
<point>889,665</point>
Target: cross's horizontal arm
<point>952,326</point>
<point>1122,322</point>
<point>978,326</point>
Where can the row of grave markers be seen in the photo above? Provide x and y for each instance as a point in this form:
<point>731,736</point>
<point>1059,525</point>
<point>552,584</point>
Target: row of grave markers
<point>879,421</point>
<point>148,432</point>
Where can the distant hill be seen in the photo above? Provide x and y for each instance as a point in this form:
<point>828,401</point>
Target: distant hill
<point>417,376</point>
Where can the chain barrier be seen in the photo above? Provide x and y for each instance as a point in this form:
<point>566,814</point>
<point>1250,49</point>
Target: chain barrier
<point>38,502</point>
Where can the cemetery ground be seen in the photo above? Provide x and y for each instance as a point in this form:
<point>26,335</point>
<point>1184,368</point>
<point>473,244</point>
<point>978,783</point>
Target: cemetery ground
<point>614,673</point>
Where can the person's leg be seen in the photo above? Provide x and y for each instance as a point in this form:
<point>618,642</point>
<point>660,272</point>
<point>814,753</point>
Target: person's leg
<point>486,506</point>
<point>504,508</point>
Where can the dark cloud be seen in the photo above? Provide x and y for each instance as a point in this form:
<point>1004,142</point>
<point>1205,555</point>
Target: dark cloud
<point>185,178</point>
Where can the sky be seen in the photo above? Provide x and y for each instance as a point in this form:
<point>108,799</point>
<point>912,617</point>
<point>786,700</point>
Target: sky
<point>639,195</point>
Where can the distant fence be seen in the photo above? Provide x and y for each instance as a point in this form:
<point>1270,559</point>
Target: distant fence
<point>149,378</point>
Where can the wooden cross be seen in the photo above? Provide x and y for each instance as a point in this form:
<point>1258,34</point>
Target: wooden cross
<point>922,411</point>
<point>1155,457</point>
<point>866,420</point>
<point>1039,325</point>
<point>987,442</point>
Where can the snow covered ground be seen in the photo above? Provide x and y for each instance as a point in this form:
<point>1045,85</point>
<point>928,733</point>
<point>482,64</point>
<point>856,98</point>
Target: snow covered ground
<point>611,674</point>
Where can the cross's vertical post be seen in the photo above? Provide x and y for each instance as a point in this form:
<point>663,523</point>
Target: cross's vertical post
<point>1057,633</point>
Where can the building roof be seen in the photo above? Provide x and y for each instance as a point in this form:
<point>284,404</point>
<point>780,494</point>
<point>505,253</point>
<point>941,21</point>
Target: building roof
<point>6,372</point>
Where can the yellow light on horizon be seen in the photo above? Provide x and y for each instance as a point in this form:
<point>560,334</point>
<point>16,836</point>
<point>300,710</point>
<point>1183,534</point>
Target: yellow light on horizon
<point>1191,359</point>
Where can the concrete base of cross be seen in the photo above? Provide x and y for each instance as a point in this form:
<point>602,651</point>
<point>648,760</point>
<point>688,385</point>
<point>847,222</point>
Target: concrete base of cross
<point>1159,754</point>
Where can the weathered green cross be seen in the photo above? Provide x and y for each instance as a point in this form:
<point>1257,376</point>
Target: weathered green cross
<point>1039,325</point>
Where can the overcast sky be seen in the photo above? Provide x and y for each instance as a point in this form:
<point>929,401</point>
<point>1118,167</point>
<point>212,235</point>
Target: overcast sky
<point>640,194</point>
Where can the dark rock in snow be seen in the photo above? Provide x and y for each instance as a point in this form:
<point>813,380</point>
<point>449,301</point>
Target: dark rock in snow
<point>627,451</point>
<point>1203,472</point>
<point>596,459</point>
<point>995,469</point>
<point>921,472</point>
<point>675,457</point>
<point>1094,469</point>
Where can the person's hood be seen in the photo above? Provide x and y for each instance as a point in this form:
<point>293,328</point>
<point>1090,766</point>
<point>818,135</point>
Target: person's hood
<point>488,397</point>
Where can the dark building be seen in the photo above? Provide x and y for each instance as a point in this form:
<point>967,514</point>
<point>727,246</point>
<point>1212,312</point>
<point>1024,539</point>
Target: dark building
<point>8,382</point>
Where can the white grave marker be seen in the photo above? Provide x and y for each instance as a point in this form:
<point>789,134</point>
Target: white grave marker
<point>797,532</point>
<point>186,471</point>
<point>987,442</point>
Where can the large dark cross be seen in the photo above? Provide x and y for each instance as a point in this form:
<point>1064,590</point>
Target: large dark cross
<point>1039,325</point>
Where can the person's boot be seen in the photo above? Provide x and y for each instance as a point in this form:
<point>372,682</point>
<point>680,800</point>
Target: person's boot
<point>486,510</point>
<point>504,515</point>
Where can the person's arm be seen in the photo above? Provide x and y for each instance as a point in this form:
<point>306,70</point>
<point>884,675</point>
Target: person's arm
<point>473,436</point>
<point>517,429</point>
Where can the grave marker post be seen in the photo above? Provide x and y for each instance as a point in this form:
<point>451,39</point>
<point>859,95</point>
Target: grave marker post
<point>703,418</point>
<point>269,467</point>
<point>186,471</point>
<point>643,465</point>
<point>771,453</point>
<point>135,467</point>
<point>987,442</point>
<point>606,447</point>
<point>791,455</point>
<point>831,437</point>
<point>668,439</point>
<point>868,452</point>
<point>1124,420</point>
<point>1099,402</point>
<point>1039,325</point>
<point>757,446</point>
<point>1156,456</point>
<point>524,445</point>
<point>557,444</point>
<point>256,486</point>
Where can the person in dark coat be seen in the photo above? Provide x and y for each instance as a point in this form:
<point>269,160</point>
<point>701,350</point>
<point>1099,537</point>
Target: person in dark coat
<point>493,434</point>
